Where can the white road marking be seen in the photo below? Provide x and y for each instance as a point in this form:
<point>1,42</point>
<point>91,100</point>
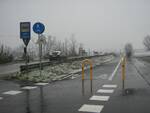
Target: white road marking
<point>12,92</point>
<point>109,86</point>
<point>1,98</point>
<point>100,98</point>
<point>41,84</point>
<point>114,72</point>
<point>103,76</point>
<point>91,108</point>
<point>105,91</point>
<point>29,87</point>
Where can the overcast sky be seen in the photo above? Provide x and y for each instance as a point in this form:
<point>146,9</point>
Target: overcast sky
<point>98,24</point>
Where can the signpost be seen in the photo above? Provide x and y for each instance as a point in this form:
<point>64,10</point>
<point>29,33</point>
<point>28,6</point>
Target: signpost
<point>25,35</point>
<point>39,28</point>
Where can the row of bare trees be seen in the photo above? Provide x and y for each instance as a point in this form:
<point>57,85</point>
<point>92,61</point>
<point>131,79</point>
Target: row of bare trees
<point>5,54</point>
<point>68,47</point>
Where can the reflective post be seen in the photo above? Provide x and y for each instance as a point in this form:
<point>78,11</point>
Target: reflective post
<point>87,61</point>
<point>123,73</point>
<point>82,79</point>
<point>91,77</point>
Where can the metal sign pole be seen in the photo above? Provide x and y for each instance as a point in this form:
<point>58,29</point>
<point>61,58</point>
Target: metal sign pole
<point>26,57</point>
<point>123,75</point>
<point>40,55</point>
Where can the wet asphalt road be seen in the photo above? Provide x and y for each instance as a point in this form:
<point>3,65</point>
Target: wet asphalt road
<point>66,96</point>
<point>9,68</point>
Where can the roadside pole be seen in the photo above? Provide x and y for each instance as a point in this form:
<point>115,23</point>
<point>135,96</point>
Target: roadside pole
<point>123,74</point>
<point>26,58</point>
<point>40,54</point>
<point>39,28</point>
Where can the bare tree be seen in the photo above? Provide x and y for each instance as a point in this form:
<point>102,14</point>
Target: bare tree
<point>32,50</point>
<point>128,50</point>
<point>66,48</point>
<point>18,52</point>
<point>58,46</point>
<point>51,44</point>
<point>73,46</point>
<point>146,42</point>
<point>5,54</point>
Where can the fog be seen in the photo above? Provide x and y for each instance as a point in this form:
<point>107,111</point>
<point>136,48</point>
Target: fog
<point>98,24</point>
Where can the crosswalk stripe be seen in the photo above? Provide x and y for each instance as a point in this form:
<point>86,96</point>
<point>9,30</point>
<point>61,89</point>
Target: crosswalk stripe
<point>91,108</point>
<point>105,91</point>
<point>109,86</point>
<point>29,87</point>
<point>12,92</point>
<point>100,98</point>
<point>41,84</point>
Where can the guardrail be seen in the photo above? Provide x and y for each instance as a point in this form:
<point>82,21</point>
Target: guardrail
<point>31,66</point>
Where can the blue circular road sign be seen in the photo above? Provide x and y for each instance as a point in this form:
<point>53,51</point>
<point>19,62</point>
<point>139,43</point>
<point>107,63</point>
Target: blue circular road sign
<point>38,28</point>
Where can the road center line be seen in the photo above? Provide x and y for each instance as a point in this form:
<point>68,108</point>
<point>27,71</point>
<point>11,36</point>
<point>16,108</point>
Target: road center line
<point>115,70</point>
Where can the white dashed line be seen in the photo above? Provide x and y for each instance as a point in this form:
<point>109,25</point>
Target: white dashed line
<point>100,98</point>
<point>41,84</point>
<point>91,108</point>
<point>105,91</point>
<point>12,92</point>
<point>29,87</point>
<point>109,86</point>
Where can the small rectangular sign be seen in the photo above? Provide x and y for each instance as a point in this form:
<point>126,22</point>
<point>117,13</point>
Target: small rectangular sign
<point>25,30</point>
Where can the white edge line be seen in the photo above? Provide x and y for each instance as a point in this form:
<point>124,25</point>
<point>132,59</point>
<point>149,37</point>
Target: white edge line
<point>116,68</point>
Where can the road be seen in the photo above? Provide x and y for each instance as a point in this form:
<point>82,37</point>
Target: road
<point>9,68</point>
<point>66,96</point>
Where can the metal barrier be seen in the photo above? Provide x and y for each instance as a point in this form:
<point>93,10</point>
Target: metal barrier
<point>87,61</point>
